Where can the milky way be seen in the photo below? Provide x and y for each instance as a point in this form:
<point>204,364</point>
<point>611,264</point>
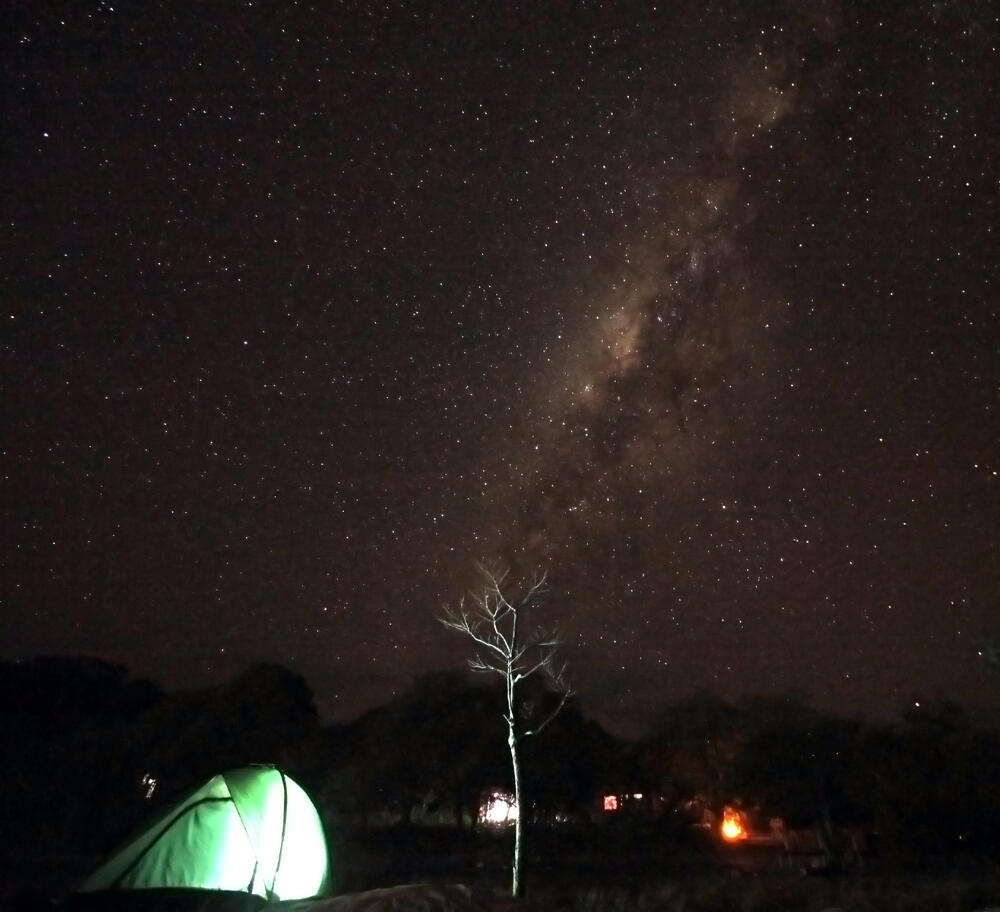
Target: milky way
<point>694,308</point>
<point>656,396</point>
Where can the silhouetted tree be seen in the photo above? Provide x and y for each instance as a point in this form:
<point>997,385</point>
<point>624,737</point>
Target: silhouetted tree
<point>67,724</point>
<point>691,750</point>
<point>564,770</point>
<point>436,744</point>
<point>453,736</point>
<point>932,779</point>
<point>260,716</point>
<point>797,763</point>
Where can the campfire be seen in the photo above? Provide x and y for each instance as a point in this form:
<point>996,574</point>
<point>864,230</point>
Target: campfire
<point>732,827</point>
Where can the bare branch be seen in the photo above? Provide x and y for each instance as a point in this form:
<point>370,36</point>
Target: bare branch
<point>494,626</point>
<point>563,697</point>
<point>478,664</point>
<point>536,590</point>
<point>540,665</point>
<point>459,620</point>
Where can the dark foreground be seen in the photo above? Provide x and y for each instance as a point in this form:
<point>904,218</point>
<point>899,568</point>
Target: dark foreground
<point>442,871</point>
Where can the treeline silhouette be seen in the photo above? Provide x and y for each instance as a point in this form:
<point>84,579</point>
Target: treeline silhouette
<point>88,751</point>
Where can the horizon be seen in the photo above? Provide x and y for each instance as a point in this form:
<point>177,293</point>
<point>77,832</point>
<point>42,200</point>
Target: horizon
<point>632,729</point>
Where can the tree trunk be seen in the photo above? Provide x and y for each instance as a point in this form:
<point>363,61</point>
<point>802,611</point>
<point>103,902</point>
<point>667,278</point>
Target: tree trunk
<point>515,762</point>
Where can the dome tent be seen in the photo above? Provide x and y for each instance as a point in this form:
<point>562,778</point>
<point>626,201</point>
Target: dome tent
<point>252,830</point>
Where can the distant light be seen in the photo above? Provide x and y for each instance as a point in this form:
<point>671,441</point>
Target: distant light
<point>611,802</point>
<point>498,809</point>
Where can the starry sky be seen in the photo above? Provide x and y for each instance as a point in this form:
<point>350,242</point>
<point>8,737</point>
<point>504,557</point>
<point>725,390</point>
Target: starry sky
<point>309,306</point>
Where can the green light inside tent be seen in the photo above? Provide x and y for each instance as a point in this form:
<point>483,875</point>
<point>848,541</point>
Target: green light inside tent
<point>250,830</point>
<point>304,865</point>
<point>232,859</point>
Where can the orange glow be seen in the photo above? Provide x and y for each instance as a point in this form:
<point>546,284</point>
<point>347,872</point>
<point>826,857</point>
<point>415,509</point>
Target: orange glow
<point>732,825</point>
<point>611,802</point>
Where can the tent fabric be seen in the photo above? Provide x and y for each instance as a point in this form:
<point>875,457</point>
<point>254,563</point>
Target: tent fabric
<point>251,830</point>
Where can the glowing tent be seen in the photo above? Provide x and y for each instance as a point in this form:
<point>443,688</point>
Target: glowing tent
<point>252,830</point>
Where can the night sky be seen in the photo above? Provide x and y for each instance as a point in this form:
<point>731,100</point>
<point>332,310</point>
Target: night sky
<point>311,305</point>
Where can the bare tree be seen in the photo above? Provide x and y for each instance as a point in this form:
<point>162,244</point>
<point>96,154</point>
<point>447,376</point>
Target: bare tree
<point>494,622</point>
